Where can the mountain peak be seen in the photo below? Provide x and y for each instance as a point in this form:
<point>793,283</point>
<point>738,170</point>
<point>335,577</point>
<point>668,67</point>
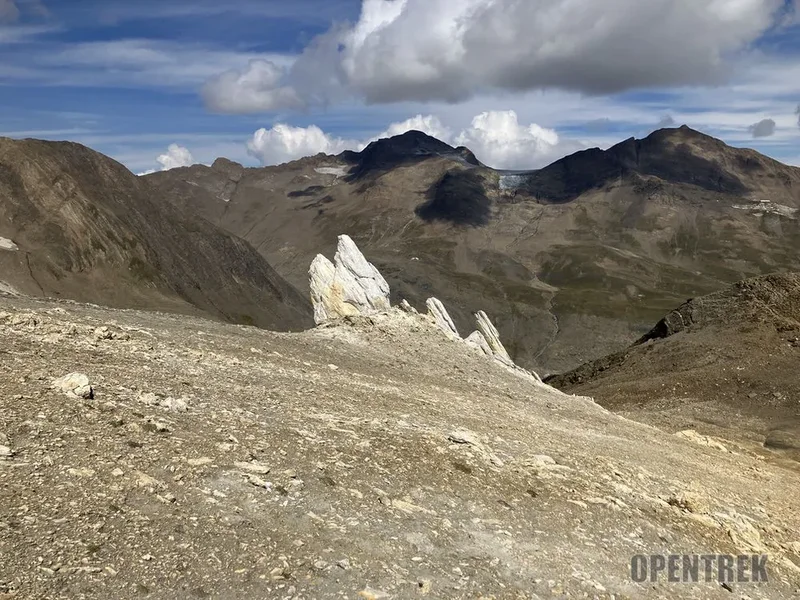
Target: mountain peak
<point>410,143</point>
<point>411,146</point>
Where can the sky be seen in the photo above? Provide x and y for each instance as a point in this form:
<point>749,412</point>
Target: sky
<point>158,85</point>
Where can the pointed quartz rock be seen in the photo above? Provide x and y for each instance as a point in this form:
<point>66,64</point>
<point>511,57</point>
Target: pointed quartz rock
<point>348,286</point>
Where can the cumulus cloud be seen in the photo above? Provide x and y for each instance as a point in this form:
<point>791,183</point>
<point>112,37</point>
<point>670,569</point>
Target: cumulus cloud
<point>175,156</point>
<point>764,128</point>
<point>429,124</point>
<point>257,88</point>
<point>499,140</point>
<point>283,143</point>
<point>496,137</point>
<point>450,50</point>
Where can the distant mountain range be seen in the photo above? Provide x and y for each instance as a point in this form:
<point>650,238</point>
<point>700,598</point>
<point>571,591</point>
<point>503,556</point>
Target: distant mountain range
<point>572,261</point>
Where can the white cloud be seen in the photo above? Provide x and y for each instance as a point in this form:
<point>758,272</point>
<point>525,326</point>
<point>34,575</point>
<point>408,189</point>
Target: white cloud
<point>496,137</point>
<point>764,128</point>
<point>255,89</point>
<point>429,124</point>
<point>141,62</point>
<point>498,140</point>
<point>175,156</point>
<point>283,143</point>
<point>450,50</point>
<point>797,112</point>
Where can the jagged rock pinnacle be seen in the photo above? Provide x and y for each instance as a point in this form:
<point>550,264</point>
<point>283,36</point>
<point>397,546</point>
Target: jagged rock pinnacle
<point>348,286</point>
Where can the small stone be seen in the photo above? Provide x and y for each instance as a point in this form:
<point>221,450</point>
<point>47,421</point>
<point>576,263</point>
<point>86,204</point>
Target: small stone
<point>343,564</point>
<point>199,462</point>
<point>81,472</point>
<point>320,565</point>
<point>424,587</point>
<point>6,452</point>
<point>117,472</point>
<point>252,467</point>
<point>148,557</point>
<point>148,398</point>
<point>258,482</point>
<point>175,404</point>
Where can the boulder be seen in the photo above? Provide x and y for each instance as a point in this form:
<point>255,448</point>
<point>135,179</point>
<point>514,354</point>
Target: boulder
<point>75,385</point>
<point>349,286</point>
<point>440,315</point>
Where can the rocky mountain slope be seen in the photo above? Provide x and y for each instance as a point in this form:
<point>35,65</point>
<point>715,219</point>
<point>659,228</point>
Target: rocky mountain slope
<point>371,458</point>
<point>76,224</point>
<point>725,364</point>
<point>573,261</point>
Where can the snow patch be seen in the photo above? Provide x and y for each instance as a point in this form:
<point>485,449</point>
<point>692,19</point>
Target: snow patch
<point>760,207</point>
<point>512,181</point>
<point>6,244</point>
<point>337,171</point>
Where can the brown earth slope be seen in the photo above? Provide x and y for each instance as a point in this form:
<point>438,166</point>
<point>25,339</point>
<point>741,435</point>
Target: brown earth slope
<point>80,225</point>
<point>726,363</point>
<point>572,262</point>
<point>375,459</point>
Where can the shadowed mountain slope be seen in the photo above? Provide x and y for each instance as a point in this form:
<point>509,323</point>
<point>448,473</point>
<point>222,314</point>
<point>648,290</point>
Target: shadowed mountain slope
<point>85,228</point>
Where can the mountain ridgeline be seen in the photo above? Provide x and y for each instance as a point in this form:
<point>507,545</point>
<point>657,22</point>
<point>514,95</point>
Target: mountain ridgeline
<point>86,229</point>
<point>572,261</point>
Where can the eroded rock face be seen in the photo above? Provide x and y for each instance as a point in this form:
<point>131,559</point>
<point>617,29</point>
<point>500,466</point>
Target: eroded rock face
<point>348,286</point>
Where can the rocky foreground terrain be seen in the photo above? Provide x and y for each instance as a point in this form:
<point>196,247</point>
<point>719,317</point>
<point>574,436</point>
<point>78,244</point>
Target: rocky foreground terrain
<point>372,457</point>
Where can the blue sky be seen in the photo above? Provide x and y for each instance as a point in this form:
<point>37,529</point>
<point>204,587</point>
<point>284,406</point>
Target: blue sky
<point>521,83</point>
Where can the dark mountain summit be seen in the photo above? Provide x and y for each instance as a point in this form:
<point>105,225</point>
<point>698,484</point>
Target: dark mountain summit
<point>677,156</point>
<point>412,146</point>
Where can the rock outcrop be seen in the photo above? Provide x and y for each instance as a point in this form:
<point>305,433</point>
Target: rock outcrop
<point>442,318</point>
<point>492,337</point>
<point>349,286</point>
